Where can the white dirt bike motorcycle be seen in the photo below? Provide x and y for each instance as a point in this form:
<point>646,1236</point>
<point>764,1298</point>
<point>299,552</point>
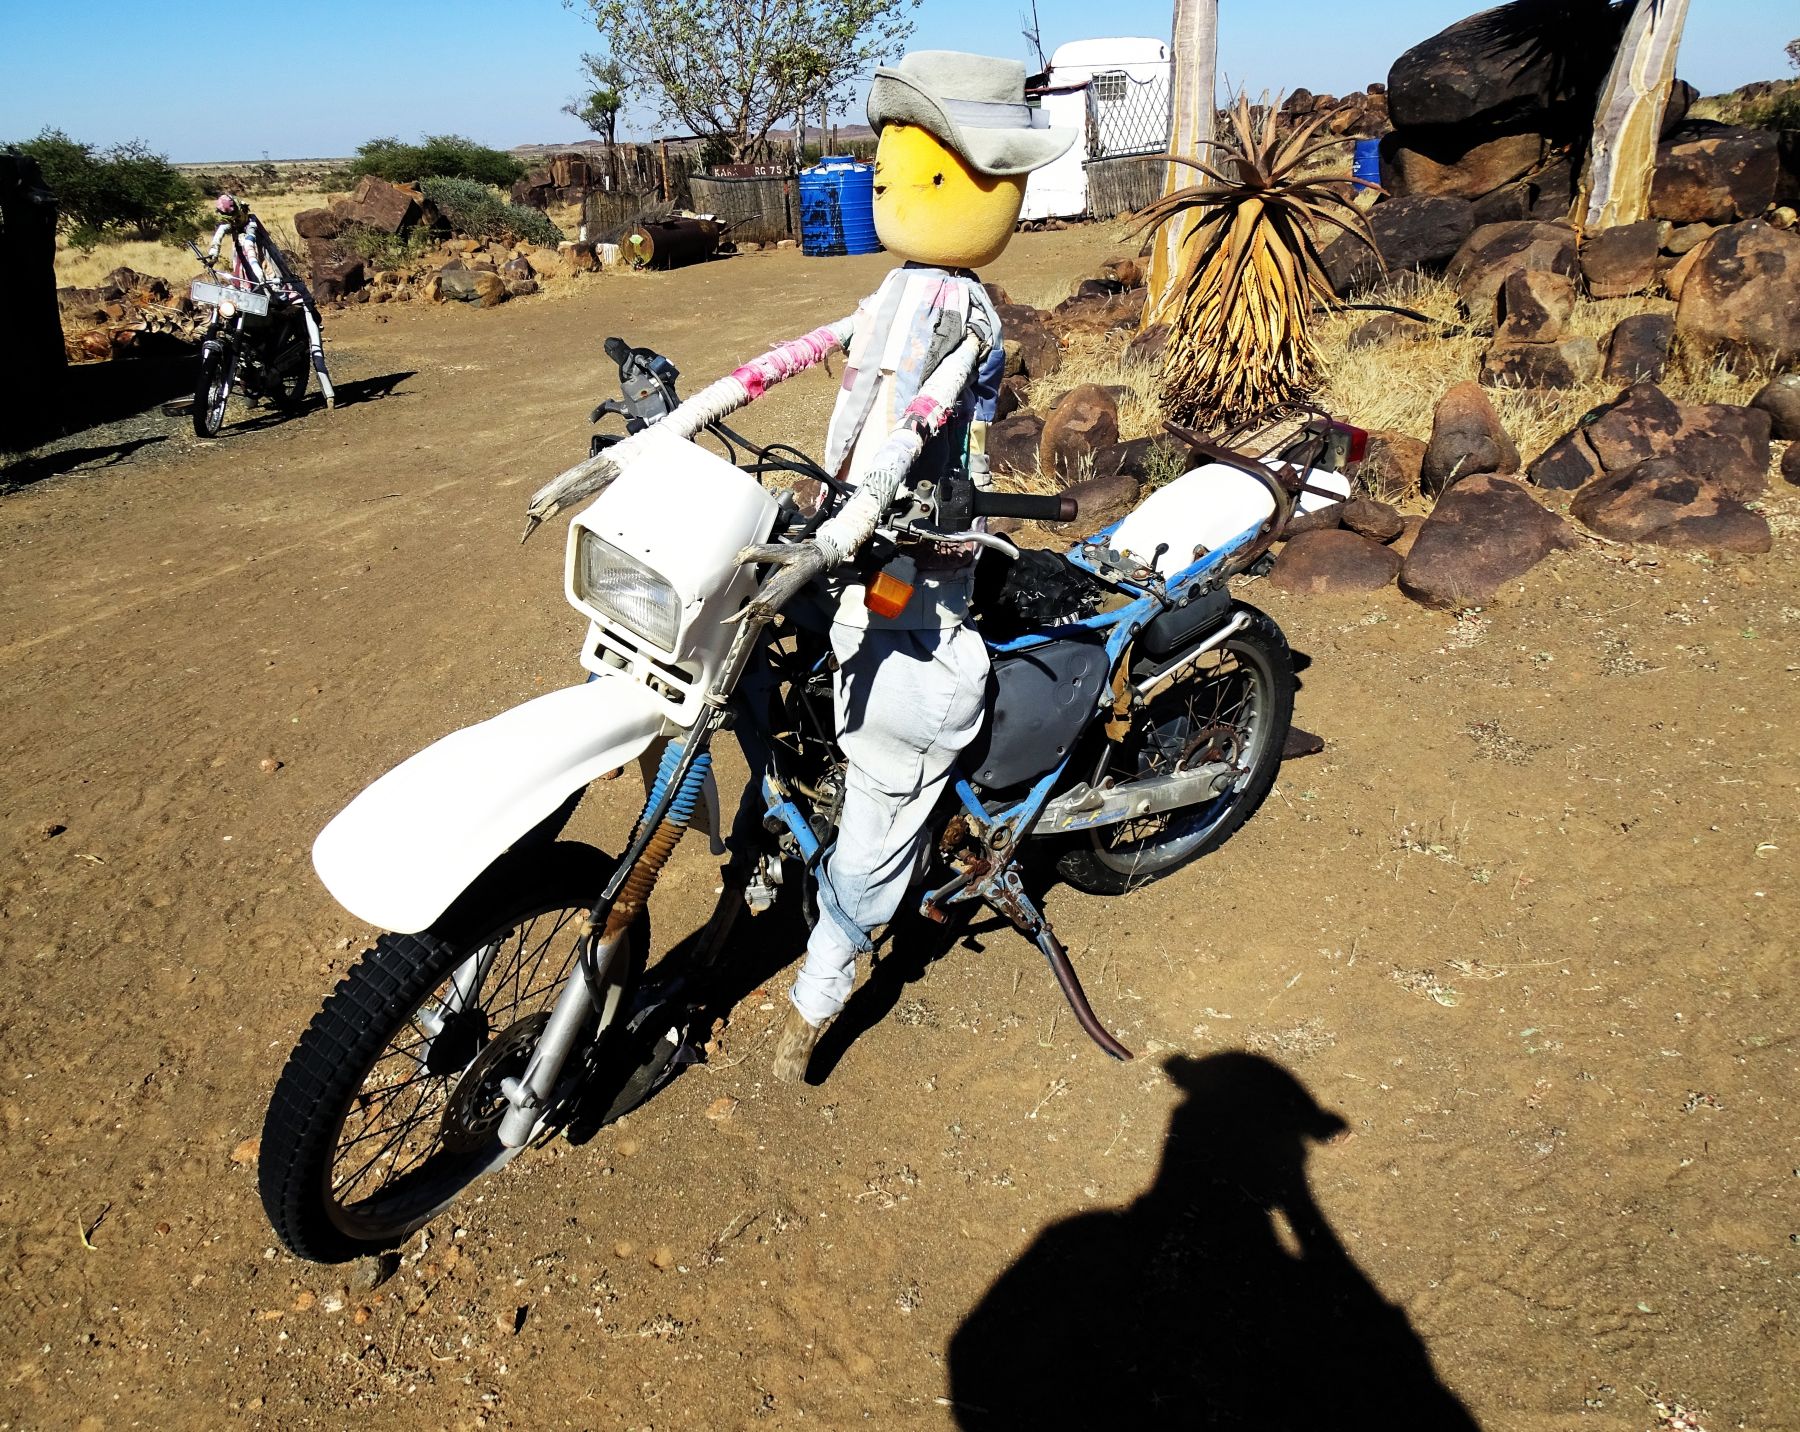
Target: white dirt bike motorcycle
<point>1137,716</point>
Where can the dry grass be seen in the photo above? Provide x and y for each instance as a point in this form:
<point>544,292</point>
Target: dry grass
<point>1397,386</point>
<point>171,261</point>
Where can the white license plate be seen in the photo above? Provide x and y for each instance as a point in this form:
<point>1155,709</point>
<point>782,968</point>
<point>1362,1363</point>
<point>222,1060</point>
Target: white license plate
<point>243,299</point>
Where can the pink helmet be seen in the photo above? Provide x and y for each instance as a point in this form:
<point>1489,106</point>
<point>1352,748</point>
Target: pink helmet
<point>226,204</point>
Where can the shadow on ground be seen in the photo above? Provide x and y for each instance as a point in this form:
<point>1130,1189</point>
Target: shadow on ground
<point>1220,1298</point>
<point>36,468</point>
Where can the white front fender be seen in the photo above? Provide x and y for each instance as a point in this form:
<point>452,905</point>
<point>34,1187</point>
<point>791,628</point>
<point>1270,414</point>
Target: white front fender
<point>399,853</point>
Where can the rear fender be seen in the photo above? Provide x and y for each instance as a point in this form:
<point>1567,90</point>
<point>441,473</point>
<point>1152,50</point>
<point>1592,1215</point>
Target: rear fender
<point>407,846</point>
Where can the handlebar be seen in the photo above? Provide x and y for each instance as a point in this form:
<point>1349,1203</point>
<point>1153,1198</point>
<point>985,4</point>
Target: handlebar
<point>1032,506</point>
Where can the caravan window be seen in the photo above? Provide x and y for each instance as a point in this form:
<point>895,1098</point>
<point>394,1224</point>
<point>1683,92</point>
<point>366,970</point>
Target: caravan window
<point>1109,88</point>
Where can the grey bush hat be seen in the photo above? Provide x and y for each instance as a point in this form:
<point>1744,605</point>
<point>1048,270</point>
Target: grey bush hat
<point>974,104</point>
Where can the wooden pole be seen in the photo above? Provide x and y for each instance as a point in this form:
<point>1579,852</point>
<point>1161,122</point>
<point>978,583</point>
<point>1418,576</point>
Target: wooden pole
<point>1194,75</point>
<point>1621,160</point>
<point>663,145</point>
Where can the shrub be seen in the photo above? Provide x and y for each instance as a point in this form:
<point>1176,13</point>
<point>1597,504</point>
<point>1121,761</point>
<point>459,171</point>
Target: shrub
<point>127,188</point>
<point>437,156</point>
<point>1781,111</point>
<point>478,212</point>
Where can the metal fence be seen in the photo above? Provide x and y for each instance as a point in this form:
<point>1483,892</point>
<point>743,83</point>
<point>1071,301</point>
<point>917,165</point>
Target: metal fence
<point>1127,115</point>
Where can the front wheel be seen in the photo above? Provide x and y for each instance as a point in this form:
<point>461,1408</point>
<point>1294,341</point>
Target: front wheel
<point>390,1105</point>
<point>1235,707</point>
<point>213,391</point>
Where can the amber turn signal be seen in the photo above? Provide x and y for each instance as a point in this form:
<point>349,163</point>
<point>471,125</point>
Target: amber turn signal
<point>887,595</point>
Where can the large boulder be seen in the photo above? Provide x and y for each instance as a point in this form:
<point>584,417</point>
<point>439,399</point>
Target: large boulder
<point>1567,464</point>
<point>476,286</point>
<point>1393,464</point>
<point>1624,259</point>
<point>1013,444</point>
<point>1102,500</point>
<point>1715,174</point>
<point>1662,501</point>
<point>1491,70</point>
<point>1780,399</point>
<point>1373,519</point>
<point>1459,165</point>
<point>1483,533</point>
<point>376,204</point>
<point>1333,563</point>
<point>1466,439</point>
<point>1559,363</point>
<point>1638,349</point>
<point>1083,423</point>
<point>1493,251</point>
<point>1741,296</point>
<point>1532,306</point>
<point>1729,444</point>
<point>319,224</point>
<point>1413,232</point>
<point>1790,464</point>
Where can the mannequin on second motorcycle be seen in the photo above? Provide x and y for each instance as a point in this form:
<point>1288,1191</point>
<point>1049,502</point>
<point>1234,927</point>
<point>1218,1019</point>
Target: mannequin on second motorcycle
<point>254,256</point>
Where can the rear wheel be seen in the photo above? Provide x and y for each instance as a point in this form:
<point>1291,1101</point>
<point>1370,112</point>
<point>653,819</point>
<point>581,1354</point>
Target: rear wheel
<point>212,392</point>
<point>390,1104</point>
<point>1235,708</point>
<point>290,354</point>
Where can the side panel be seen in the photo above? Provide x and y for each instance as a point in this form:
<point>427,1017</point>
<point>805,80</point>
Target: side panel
<point>406,847</point>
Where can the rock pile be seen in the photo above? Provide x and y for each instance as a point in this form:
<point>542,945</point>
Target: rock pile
<point>125,314</point>
<point>564,179</point>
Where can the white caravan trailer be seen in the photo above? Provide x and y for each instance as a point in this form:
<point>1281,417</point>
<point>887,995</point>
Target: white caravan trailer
<point>1114,94</point>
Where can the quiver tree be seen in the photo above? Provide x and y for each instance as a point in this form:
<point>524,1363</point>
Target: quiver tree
<point>1240,305</point>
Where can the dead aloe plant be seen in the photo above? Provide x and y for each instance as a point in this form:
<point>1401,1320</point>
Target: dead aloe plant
<point>1240,307</point>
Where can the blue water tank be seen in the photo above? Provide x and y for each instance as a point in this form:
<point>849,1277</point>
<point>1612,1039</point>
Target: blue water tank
<point>1366,167</point>
<point>837,208</point>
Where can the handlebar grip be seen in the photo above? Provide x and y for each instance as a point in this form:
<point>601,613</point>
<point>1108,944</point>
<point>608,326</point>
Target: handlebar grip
<point>618,349</point>
<point>1032,506</point>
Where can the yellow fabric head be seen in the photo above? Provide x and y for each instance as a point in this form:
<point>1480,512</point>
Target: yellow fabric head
<point>932,208</point>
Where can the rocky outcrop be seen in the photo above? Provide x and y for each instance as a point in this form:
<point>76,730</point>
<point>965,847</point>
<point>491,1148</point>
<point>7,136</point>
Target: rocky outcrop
<point>1078,427</point>
<point>1638,349</point>
<point>1740,296</point>
<point>1485,532</point>
<point>1466,439</point>
<point>1715,174</point>
<point>1780,399</point>
<point>1495,251</point>
<point>1662,501</point>
<point>1458,165</point>
<point>1333,563</point>
<point>1414,232</point>
<point>1623,260</point>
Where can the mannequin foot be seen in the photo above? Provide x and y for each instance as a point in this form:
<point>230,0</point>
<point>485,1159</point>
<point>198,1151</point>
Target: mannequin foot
<point>794,1047</point>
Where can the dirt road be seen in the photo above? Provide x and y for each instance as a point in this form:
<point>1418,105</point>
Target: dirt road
<point>1467,1076</point>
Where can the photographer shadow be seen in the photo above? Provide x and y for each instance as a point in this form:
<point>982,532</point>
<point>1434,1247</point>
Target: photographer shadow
<point>1219,1298</point>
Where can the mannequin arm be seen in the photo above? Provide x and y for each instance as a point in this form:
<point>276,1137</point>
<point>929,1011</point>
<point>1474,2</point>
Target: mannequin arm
<point>717,400</point>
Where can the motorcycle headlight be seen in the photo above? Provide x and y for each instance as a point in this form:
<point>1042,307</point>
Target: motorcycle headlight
<point>617,584</point>
<point>227,308</point>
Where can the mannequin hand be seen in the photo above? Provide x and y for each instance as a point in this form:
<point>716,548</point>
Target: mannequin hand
<point>796,563</point>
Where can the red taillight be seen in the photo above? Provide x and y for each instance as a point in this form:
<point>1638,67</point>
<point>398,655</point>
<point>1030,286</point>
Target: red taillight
<point>1359,444</point>
<point>1354,439</point>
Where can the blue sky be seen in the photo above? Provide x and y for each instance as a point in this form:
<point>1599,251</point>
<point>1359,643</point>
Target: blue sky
<point>314,80</point>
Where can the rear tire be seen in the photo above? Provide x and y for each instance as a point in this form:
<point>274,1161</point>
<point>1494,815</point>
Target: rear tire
<point>1237,706</point>
<point>360,1058</point>
<point>288,385</point>
<point>212,392</point>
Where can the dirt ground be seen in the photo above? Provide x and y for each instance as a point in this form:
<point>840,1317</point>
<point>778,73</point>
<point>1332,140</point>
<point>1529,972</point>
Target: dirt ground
<point>1433,1056</point>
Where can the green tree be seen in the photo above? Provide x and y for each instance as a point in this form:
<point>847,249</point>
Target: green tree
<point>436,156</point>
<point>127,189</point>
<point>599,104</point>
<point>727,71</point>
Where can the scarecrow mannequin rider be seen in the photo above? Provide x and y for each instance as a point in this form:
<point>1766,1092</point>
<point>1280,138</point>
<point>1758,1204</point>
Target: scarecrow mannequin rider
<point>920,383</point>
<point>255,257</point>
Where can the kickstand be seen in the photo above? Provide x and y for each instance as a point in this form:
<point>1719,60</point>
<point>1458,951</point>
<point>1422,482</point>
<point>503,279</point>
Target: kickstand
<point>1006,893</point>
